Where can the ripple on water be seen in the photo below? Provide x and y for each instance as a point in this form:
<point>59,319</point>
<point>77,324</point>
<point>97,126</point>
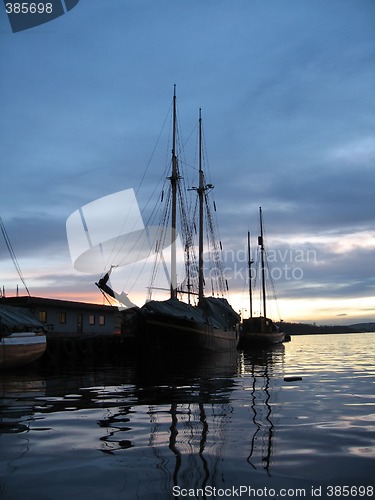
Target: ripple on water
<point>142,430</point>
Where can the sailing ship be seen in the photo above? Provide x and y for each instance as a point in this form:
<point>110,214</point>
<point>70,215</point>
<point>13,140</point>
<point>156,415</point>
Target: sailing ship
<point>174,325</point>
<point>257,330</point>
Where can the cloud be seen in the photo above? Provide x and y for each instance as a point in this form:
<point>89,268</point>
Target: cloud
<point>359,153</point>
<point>287,95</point>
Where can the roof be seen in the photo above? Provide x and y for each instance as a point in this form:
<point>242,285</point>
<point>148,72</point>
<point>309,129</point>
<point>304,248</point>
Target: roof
<point>27,301</point>
<point>17,318</point>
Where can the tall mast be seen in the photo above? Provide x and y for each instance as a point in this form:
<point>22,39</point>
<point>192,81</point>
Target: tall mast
<point>174,180</point>
<point>249,262</point>
<point>262,263</point>
<point>201,190</point>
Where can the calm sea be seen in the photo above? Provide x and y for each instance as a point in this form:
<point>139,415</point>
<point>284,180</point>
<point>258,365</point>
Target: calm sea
<point>217,427</point>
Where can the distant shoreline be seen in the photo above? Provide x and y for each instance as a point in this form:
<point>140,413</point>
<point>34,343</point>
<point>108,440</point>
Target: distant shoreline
<point>312,329</point>
<point>330,333</point>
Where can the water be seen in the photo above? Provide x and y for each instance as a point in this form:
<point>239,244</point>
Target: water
<point>204,428</point>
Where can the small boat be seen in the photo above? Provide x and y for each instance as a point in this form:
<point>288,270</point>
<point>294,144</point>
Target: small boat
<point>259,330</point>
<point>22,337</point>
<point>174,325</point>
<point>21,348</point>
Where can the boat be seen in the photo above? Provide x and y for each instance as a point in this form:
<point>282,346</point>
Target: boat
<point>259,330</point>
<point>174,325</point>
<point>22,337</point>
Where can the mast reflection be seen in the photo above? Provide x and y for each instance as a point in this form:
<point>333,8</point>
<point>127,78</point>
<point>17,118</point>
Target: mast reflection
<point>259,364</point>
<point>198,417</point>
<point>165,422</point>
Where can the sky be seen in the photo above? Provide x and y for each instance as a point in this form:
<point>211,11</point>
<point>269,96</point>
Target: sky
<point>286,89</point>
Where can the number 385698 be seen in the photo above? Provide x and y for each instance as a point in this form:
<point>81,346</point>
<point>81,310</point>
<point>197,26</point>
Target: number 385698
<point>29,8</point>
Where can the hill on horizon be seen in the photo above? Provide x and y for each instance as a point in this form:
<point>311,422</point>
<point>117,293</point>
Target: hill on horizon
<point>309,328</point>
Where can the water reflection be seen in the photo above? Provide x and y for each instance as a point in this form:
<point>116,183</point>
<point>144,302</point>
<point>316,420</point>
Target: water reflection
<point>259,365</point>
<point>180,409</point>
<point>149,424</point>
<point>17,395</point>
<point>261,422</point>
<point>189,409</point>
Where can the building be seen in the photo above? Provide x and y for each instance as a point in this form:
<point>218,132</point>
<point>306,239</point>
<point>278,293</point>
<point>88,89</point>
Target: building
<point>68,318</point>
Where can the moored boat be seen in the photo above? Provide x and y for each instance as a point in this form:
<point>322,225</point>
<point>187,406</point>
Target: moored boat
<point>22,339</point>
<point>259,330</point>
<point>174,325</point>
<point>21,348</point>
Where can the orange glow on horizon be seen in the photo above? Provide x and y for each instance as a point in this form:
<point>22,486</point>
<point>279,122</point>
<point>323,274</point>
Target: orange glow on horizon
<point>297,310</point>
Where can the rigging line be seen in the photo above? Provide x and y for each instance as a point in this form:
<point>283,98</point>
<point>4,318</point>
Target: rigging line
<point>182,200</point>
<point>213,274</point>
<point>205,157</point>
<point>217,255</point>
<point>191,133</point>
<point>181,145</point>
<point>187,238</point>
<point>189,165</point>
<point>114,255</point>
<point>273,287</point>
<point>184,227</point>
<point>135,243</point>
<point>13,255</point>
<point>164,173</point>
<point>160,240</point>
<point>163,178</point>
<point>167,160</point>
<point>106,297</point>
<point>193,236</point>
<point>191,241</point>
<point>153,151</point>
<point>183,210</point>
<point>115,251</point>
<point>213,218</point>
<point>269,272</point>
<point>257,266</point>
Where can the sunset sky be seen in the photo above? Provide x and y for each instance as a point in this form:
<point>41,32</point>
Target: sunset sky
<point>287,93</point>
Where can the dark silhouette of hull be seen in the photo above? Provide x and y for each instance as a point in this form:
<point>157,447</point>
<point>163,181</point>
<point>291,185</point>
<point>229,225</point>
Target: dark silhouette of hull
<point>172,325</point>
<point>260,331</point>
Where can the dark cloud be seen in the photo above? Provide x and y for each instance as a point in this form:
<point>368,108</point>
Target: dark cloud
<point>287,95</point>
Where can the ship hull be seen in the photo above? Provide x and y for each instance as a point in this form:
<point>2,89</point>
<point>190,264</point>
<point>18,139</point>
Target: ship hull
<point>161,333</point>
<point>172,325</point>
<point>260,338</point>
<point>21,349</point>
<point>260,331</point>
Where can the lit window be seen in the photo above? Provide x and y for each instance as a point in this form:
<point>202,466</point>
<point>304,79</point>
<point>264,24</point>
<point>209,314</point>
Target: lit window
<point>101,320</point>
<point>43,316</point>
<point>91,319</point>
<point>62,318</point>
